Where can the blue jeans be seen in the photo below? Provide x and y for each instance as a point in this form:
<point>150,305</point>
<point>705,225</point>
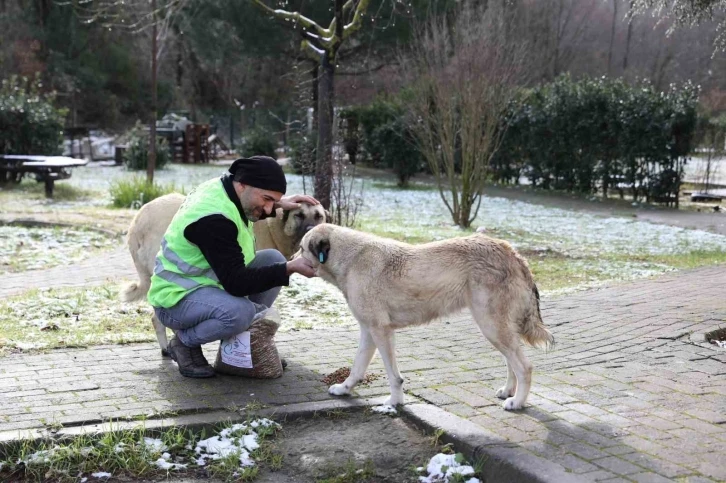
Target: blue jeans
<point>209,313</point>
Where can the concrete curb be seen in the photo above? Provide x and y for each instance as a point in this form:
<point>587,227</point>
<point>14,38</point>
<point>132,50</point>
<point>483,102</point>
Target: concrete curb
<point>503,461</point>
<point>195,421</point>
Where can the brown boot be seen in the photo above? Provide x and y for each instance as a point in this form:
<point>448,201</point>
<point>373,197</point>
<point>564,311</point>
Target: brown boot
<point>189,360</point>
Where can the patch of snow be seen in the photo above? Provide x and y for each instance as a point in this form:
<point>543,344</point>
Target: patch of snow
<point>237,439</point>
<point>720,343</point>
<point>384,409</point>
<point>101,474</point>
<point>39,457</point>
<point>165,464</point>
<point>155,444</point>
<point>442,467</point>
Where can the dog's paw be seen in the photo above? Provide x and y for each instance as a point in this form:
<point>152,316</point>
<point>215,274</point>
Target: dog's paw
<point>510,405</point>
<point>338,390</point>
<point>504,392</point>
<point>393,400</point>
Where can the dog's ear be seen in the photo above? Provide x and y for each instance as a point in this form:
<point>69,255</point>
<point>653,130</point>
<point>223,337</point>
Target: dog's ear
<point>328,217</point>
<point>320,248</point>
<point>285,215</point>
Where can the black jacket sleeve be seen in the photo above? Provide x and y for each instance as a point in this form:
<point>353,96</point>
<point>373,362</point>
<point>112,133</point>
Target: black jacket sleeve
<point>216,237</point>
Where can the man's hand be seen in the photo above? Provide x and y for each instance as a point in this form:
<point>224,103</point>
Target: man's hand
<point>293,201</point>
<point>302,266</point>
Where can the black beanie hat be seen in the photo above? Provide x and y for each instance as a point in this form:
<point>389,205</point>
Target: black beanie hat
<point>261,172</point>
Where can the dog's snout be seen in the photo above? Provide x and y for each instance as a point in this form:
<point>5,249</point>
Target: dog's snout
<point>309,227</point>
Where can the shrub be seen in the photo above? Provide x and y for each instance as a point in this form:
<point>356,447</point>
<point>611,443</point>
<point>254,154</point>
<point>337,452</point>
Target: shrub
<point>259,142</point>
<point>29,121</point>
<point>136,192</point>
<point>371,117</point>
<point>136,155</point>
<point>596,134</point>
<point>398,149</point>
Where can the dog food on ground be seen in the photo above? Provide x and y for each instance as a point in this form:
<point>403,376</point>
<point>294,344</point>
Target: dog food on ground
<point>340,375</point>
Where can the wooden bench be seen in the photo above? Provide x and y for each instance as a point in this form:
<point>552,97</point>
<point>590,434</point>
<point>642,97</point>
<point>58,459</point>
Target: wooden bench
<point>47,169</point>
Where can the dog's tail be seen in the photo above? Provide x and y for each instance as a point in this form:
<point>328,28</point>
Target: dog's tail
<point>134,291</point>
<point>533,330</point>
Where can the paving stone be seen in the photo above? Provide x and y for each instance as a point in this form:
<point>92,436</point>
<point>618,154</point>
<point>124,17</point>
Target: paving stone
<point>656,465</point>
<point>617,465</point>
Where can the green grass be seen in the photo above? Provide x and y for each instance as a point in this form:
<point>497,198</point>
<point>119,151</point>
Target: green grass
<point>556,274</point>
<point>125,455</point>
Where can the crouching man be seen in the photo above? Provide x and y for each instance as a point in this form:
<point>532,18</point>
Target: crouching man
<point>208,281</point>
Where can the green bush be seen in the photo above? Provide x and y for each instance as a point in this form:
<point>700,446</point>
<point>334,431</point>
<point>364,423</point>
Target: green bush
<point>29,121</point>
<point>599,134</point>
<point>136,192</point>
<point>259,142</point>
<point>397,149</point>
<point>371,117</point>
<point>136,155</point>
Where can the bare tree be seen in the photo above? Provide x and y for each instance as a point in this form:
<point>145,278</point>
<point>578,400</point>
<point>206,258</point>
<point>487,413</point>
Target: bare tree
<point>613,25</point>
<point>321,45</point>
<point>463,78</point>
<point>139,17</point>
<point>570,23</point>
<point>689,13</point>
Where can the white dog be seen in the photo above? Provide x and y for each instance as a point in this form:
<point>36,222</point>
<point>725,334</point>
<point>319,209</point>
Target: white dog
<point>391,285</point>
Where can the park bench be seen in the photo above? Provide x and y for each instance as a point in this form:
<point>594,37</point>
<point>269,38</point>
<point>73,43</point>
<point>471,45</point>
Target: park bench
<point>47,169</point>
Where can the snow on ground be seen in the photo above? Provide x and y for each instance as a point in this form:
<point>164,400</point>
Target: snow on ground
<point>443,467</point>
<point>384,409</point>
<point>239,439</point>
<point>23,248</point>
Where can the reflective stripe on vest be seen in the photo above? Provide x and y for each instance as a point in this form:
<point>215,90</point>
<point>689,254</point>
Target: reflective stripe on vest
<point>184,267</point>
<point>169,276</point>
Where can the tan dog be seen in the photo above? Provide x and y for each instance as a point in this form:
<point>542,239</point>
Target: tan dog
<point>391,285</point>
<point>282,233</point>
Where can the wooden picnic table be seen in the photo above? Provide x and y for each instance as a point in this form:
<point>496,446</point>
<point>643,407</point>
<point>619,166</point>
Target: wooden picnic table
<point>47,169</point>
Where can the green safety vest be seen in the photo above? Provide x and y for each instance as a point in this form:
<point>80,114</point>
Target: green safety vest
<point>180,266</point>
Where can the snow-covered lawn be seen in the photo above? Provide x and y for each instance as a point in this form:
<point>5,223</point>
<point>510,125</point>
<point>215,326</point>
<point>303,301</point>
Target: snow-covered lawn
<point>24,248</point>
<point>51,318</point>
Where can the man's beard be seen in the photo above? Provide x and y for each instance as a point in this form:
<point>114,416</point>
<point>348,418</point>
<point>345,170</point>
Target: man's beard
<point>251,215</point>
<point>256,214</point>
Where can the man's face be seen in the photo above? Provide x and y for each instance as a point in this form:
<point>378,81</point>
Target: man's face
<point>257,203</point>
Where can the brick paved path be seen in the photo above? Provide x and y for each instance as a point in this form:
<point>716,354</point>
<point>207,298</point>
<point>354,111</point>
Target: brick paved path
<point>631,393</point>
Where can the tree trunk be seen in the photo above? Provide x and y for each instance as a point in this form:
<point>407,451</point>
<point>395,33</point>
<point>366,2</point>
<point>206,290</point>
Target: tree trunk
<point>314,75</point>
<point>612,37</point>
<point>324,161</point>
<point>629,36</point>
<point>151,162</point>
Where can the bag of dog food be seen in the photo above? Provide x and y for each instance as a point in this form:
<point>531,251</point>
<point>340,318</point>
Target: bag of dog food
<point>253,352</point>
